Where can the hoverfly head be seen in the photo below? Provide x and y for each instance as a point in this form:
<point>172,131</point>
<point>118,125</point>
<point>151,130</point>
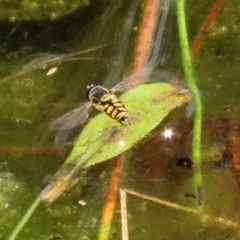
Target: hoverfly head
<point>89,89</point>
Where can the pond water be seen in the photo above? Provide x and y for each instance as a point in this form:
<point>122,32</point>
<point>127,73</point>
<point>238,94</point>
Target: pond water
<point>40,82</point>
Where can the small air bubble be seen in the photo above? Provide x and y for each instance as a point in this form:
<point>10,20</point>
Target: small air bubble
<point>223,30</point>
<point>73,6</point>
<point>33,5</point>
<point>83,238</point>
<point>12,19</point>
<point>53,16</point>
<point>6,205</point>
<point>235,28</point>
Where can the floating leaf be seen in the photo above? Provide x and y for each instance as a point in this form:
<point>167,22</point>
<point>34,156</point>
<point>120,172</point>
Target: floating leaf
<point>104,138</point>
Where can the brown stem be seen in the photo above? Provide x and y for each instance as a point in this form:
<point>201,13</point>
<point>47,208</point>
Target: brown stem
<point>203,31</point>
<point>234,144</point>
<point>112,195</point>
<point>200,214</point>
<point>142,52</point>
<point>144,43</point>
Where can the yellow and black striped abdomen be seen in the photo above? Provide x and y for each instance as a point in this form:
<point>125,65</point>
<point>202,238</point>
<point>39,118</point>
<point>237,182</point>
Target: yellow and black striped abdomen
<point>116,110</point>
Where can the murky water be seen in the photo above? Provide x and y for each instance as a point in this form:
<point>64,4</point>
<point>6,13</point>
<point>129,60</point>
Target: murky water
<point>31,99</point>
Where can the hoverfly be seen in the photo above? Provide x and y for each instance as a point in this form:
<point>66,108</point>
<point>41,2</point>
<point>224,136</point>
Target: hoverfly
<point>105,100</point>
<point>102,99</point>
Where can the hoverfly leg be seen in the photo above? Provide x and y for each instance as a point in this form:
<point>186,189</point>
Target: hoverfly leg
<point>99,106</point>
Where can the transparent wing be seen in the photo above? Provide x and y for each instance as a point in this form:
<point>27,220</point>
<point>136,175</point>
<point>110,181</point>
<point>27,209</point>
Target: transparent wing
<point>62,139</point>
<point>140,77</point>
<point>40,61</point>
<point>72,119</point>
<point>83,51</point>
<point>55,58</point>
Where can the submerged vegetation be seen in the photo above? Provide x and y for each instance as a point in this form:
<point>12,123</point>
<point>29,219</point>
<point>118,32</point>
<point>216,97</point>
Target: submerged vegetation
<point>23,10</point>
<point>166,163</point>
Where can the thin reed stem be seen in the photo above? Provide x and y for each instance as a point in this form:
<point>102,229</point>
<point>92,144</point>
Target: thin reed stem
<point>189,75</point>
<point>24,219</point>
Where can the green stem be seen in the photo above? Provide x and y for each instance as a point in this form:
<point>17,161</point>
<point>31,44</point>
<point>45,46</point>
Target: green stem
<point>24,219</point>
<point>188,72</point>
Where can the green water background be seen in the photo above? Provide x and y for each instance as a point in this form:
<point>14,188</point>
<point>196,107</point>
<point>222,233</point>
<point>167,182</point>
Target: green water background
<point>30,102</point>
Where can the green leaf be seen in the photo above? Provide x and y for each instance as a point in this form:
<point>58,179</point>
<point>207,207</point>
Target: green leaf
<point>104,138</point>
